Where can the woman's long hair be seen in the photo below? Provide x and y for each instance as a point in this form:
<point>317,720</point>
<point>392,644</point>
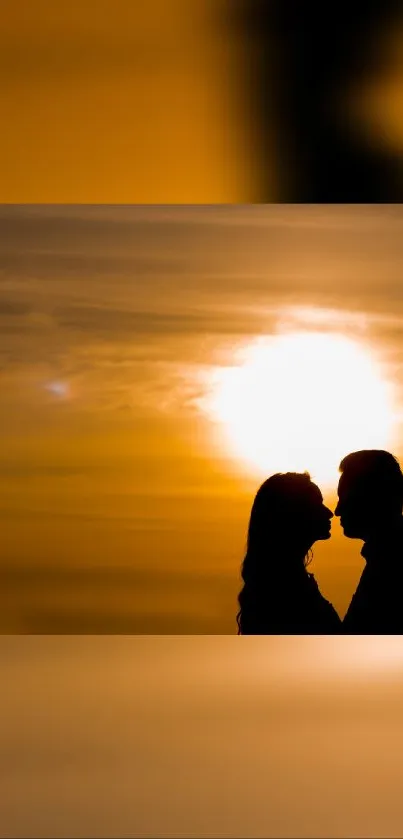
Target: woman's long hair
<point>276,500</point>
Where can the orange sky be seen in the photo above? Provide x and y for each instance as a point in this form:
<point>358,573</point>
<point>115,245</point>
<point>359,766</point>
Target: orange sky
<point>201,736</point>
<point>121,102</point>
<point>118,510</point>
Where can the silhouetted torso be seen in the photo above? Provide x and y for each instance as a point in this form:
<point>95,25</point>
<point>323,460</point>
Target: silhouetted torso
<point>294,607</point>
<point>377,605</point>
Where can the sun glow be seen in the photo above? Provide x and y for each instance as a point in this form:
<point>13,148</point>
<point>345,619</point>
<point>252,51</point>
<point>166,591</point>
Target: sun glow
<point>300,401</point>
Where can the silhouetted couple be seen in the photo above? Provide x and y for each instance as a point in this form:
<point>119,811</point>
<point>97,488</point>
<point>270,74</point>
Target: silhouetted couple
<point>280,596</point>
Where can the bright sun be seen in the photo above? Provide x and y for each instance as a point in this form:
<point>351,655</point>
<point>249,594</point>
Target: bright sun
<point>301,401</point>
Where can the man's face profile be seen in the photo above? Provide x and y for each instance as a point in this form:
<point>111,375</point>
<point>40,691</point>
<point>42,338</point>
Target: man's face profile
<point>353,507</point>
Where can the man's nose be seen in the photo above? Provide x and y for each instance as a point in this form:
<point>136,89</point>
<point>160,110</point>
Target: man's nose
<point>337,510</point>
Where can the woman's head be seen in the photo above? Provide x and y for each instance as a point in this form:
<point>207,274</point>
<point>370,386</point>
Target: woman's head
<point>288,509</point>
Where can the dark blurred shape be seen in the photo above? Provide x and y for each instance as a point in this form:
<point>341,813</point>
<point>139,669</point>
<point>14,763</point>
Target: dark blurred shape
<point>308,63</point>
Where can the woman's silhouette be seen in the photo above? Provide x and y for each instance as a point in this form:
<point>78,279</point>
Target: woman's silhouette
<point>279,596</point>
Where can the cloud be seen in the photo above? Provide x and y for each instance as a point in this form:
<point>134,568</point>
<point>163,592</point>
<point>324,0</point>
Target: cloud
<point>10,307</point>
<point>85,621</point>
<point>113,300</point>
<point>150,601</point>
<point>208,251</point>
<point>111,322</point>
<point>28,470</point>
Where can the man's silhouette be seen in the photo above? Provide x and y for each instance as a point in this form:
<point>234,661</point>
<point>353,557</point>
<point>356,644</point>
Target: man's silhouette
<point>370,508</point>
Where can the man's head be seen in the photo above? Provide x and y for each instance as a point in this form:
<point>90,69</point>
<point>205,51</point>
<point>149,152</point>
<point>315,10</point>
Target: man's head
<point>370,493</point>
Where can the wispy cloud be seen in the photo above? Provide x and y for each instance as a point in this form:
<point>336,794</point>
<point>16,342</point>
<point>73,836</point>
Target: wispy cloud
<point>114,300</point>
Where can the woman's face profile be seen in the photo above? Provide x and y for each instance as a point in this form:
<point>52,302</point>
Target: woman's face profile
<point>308,516</point>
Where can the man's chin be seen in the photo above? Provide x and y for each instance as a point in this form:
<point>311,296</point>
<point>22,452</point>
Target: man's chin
<point>350,532</point>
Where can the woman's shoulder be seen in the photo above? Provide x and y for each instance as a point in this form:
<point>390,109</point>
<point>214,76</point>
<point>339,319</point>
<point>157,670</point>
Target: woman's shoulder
<point>326,608</point>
